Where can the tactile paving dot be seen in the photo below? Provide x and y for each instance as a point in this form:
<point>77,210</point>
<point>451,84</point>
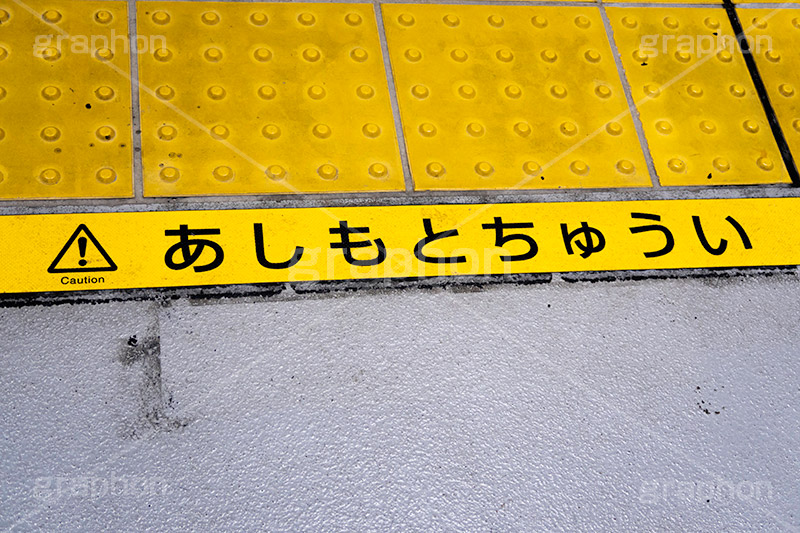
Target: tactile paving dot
<point>247,98</point>
<point>774,38</point>
<point>64,100</point>
<point>702,118</point>
<point>511,97</point>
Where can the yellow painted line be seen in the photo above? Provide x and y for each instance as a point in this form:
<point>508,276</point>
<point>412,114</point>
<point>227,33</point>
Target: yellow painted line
<point>43,253</point>
<point>774,36</point>
<point>701,115</point>
<point>65,100</point>
<point>244,98</point>
<point>511,97</point>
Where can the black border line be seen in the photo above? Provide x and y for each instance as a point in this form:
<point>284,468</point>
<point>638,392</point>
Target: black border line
<point>761,90</point>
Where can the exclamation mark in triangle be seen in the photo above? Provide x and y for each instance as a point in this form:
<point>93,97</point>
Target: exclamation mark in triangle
<point>87,256</point>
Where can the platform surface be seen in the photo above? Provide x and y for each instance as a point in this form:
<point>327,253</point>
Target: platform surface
<point>399,266</point>
<point>624,406</point>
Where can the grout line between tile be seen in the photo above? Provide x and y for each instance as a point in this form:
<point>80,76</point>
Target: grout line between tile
<point>398,123</point>
<point>138,173</point>
<point>634,111</point>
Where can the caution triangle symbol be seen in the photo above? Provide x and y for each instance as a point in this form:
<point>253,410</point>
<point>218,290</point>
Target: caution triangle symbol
<point>82,253</point>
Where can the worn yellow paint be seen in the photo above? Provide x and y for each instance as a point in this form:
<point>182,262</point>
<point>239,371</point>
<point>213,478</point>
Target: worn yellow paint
<point>511,97</point>
<point>65,100</point>
<point>701,115</point>
<point>138,248</point>
<point>249,98</point>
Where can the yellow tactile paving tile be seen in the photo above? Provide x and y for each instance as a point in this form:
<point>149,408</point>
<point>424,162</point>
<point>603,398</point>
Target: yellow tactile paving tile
<point>264,98</point>
<point>65,100</point>
<point>511,97</point>
<point>774,39</point>
<point>701,115</point>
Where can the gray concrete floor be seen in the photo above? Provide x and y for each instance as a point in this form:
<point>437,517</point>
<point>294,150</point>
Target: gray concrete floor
<point>667,405</point>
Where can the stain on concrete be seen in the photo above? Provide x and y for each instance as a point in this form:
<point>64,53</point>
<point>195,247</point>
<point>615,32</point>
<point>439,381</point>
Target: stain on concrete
<point>140,357</point>
<point>705,404</point>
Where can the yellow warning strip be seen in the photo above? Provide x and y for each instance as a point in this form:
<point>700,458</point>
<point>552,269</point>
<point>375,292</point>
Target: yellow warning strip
<point>225,247</point>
